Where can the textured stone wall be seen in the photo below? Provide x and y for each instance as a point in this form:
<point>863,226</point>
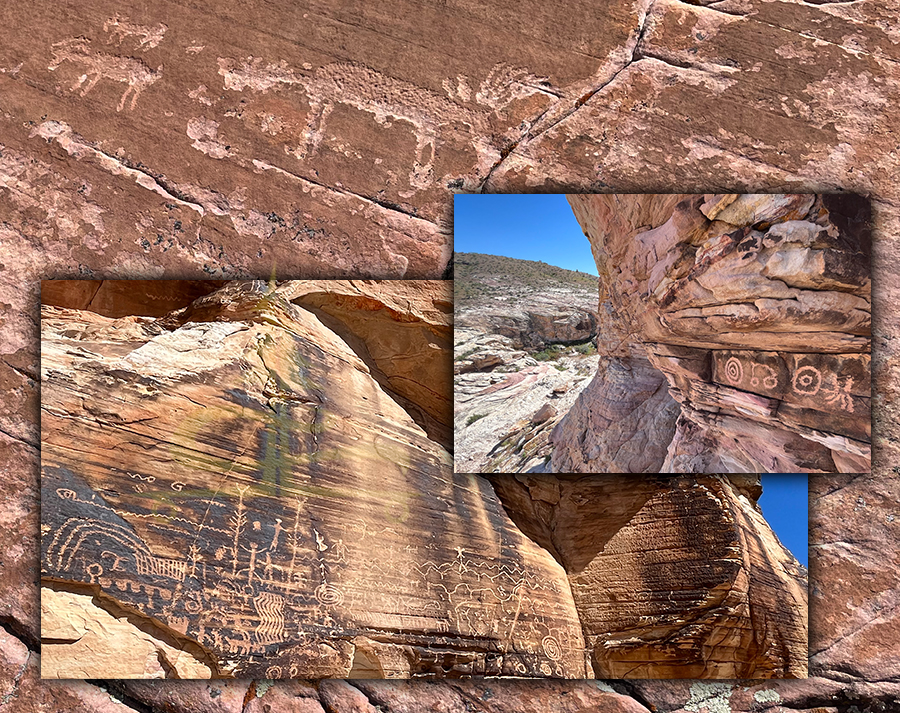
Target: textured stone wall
<point>756,310</point>
<point>743,95</point>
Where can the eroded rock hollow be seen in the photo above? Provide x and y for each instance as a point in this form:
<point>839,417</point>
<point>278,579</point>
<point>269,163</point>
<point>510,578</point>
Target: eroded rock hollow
<point>751,312</point>
<point>254,483</point>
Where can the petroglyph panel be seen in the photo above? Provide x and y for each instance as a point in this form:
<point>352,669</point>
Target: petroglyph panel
<point>759,372</point>
<point>266,496</point>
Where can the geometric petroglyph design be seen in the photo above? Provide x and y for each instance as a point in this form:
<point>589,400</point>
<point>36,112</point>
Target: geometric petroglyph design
<point>551,647</point>
<point>807,381</point>
<point>329,595</point>
<point>734,371</point>
<point>270,607</point>
<point>73,532</point>
<point>160,566</point>
<point>764,373</point>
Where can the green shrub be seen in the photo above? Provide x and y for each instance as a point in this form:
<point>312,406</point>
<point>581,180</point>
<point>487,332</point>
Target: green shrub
<point>474,417</point>
<point>549,354</point>
<point>466,355</point>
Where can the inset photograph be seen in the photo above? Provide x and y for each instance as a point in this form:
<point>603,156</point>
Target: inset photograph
<point>252,479</point>
<point>662,333</point>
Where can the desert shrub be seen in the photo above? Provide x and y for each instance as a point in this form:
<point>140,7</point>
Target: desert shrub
<point>549,354</point>
<point>474,417</point>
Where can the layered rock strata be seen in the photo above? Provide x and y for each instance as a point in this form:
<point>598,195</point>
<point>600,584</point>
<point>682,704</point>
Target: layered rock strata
<point>530,303</point>
<point>523,349</point>
<point>229,490</point>
<point>748,95</point>
<point>757,311</point>
<point>673,577</point>
<point>233,474</point>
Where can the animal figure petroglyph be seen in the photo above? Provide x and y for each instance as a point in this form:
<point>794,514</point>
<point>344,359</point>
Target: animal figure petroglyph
<point>100,65</point>
<point>387,99</point>
<point>119,28</point>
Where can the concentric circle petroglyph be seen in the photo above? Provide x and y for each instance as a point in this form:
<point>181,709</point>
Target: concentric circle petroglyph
<point>551,647</point>
<point>734,371</point>
<point>807,380</point>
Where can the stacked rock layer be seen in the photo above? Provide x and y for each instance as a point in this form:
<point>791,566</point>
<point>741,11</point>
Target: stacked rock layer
<point>234,488</point>
<point>756,310</point>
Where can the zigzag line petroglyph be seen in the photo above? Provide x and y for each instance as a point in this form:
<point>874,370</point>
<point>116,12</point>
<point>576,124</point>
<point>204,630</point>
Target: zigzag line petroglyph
<point>271,612</point>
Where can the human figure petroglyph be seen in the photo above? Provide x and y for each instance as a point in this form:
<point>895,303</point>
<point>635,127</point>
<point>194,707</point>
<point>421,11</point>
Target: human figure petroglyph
<point>809,381</point>
<point>100,65</point>
<point>388,99</point>
<point>839,393</point>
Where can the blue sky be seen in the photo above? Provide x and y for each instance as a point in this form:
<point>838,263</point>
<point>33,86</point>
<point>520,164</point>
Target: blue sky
<point>530,226</point>
<point>785,505</point>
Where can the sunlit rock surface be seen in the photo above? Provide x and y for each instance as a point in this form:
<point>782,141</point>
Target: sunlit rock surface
<point>757,311</point>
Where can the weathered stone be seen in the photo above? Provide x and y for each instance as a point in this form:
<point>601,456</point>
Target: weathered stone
<point>87,637</point>
<point>808,106</point>
<point>672,577</point>
<point>764,347</point>
<point>517,318</point>
<point>244,480</point>
<point>629,418</point>
<point>545,412</point>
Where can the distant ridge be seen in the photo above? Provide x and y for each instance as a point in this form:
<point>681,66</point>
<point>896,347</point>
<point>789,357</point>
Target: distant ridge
<point>477,275</point>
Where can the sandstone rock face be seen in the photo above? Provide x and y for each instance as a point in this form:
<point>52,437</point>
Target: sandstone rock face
<point>755,308</point>
<point>234,471</point>
<point>228,490</point>
<point>673,577</point>
<point>734,96</point>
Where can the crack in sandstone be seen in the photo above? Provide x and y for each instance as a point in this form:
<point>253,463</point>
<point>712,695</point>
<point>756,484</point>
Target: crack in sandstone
<point>17,630</point>
<point>638,55</point>
<point>77,147</point>
<point>117,691</point>
<point>387,205</point>
<point>535,130</point>
<point>19,370</point>
<point>20,439</point>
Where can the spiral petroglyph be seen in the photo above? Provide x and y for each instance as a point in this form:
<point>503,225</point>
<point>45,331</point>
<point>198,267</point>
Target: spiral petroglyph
<point>329,595</point>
